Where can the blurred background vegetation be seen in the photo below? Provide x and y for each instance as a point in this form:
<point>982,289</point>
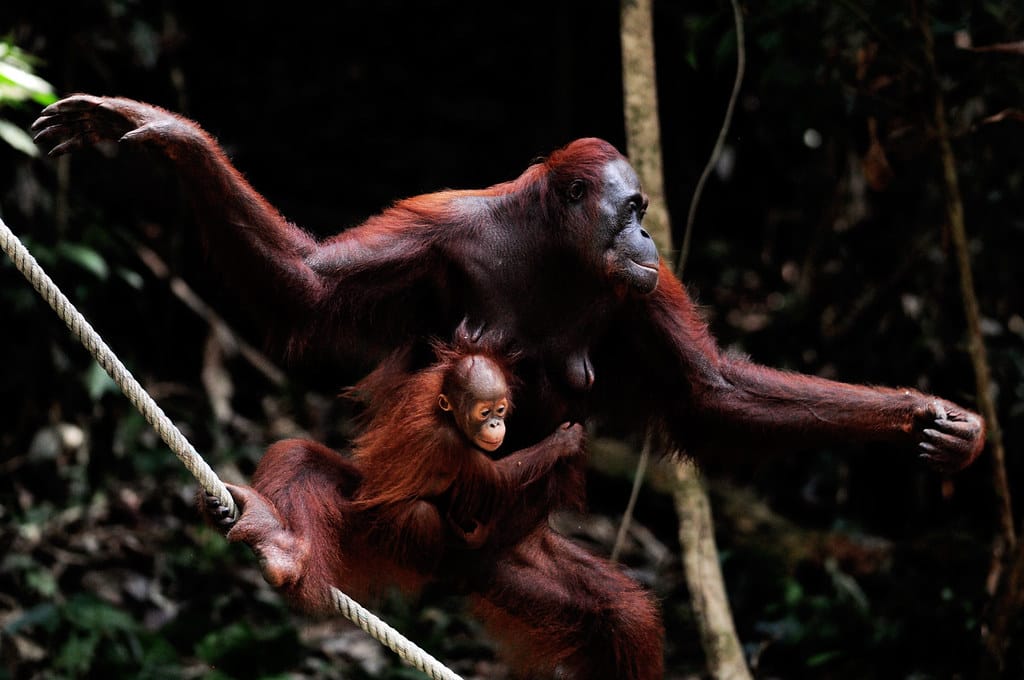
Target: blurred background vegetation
<point>821,246</point>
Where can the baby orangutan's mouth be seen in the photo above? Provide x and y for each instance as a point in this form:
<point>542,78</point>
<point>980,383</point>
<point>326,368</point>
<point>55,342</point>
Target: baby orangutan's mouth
<point>488,444</point>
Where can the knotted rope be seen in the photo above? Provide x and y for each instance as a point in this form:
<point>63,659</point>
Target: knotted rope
<point>180,446</point>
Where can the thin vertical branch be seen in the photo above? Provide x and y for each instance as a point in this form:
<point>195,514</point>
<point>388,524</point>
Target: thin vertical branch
<point>975,344</point>
<point>638,481</point>
<point>1008,558</point>
<point>716,152</point>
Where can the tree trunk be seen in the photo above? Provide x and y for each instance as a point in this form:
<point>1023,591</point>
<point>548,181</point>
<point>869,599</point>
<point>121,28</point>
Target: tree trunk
<point>696,530</point>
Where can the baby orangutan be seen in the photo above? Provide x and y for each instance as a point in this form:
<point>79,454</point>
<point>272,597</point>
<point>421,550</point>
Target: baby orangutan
<point>420,502</point>
<point>428,488</point>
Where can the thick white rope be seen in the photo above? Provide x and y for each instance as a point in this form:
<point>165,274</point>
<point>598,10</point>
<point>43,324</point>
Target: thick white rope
<point>406,650</point>
<point>172,436</point>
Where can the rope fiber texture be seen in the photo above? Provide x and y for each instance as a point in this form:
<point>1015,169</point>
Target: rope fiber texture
<point>180,446</point>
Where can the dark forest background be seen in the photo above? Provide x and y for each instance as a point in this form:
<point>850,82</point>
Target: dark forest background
<point>821,245</point>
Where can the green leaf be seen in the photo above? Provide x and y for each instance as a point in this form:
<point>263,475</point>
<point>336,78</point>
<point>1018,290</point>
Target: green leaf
<point>17,562</point>
<point>822,659</point>
<point>85,257</point>
<point>88,613</point>
<point>18,138</point>
<point>76,655</point>
<point>20,78</point>
<point>42,582</point>
<point>793,593</point>
<point>98,382</point>
<point>159,658</point>
<point>44,98</point>
<point>44,615</point>
<point>220,643</point>
<point>239,648</point>
<point>132,278</point>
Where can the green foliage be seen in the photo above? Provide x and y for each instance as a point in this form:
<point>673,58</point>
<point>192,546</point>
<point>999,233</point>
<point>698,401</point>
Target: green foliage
<point>820,624</point>
<point>17,138</point>
<point>85,257</point>
<point>239,649</point>
<point>17,82</point>
<point>18,85</point>
<point>88,636</point>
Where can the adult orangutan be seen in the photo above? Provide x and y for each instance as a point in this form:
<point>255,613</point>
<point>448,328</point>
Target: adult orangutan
<point>420,502</point>
<point>555,260</point>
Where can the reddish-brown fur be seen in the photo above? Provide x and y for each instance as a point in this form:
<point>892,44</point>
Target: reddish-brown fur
<point>317,519</point>
<point>552,605</point>
<point>412,455</point>
<point>537,259</point>
<point>557,262</point>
